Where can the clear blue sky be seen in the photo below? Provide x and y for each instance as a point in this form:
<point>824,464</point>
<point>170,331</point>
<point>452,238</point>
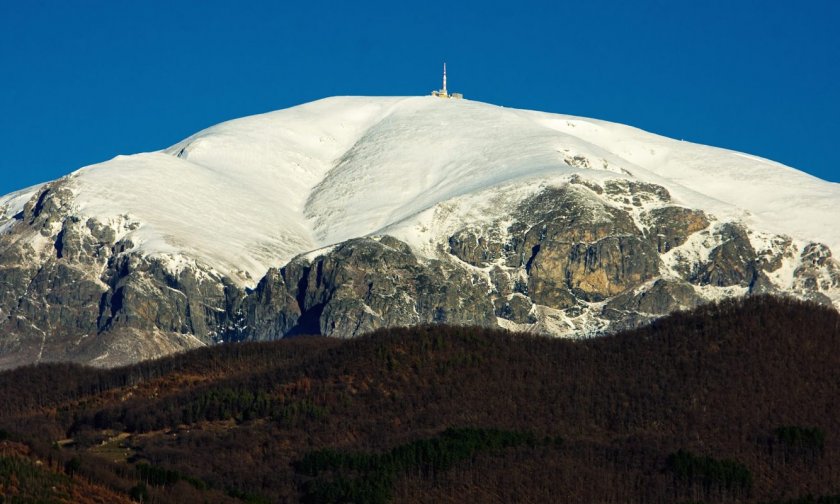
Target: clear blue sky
<point>83,81</point>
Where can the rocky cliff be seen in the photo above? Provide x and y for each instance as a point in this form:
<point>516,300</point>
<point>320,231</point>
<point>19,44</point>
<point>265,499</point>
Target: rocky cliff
<point>575,259</point>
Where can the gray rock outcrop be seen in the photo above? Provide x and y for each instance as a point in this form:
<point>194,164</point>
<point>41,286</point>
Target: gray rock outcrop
<point>585,257</point>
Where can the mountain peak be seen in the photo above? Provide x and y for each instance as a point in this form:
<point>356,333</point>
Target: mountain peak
<point>251,193</point>
<point>555,223</point>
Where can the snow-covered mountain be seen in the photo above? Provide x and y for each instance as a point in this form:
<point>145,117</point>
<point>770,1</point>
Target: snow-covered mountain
<point>351,213</point>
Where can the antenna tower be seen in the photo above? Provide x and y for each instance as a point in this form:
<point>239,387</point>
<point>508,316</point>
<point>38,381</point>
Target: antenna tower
<point>444,79</point>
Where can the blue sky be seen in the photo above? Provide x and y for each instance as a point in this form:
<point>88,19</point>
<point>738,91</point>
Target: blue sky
<point>86,80</point>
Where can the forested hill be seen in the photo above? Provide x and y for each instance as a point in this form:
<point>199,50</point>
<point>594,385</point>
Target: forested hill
<point>735,402</point>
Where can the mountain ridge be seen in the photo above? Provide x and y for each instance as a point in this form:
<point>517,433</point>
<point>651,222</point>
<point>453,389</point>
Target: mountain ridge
<point>279,223</point>
<point>225,152</point>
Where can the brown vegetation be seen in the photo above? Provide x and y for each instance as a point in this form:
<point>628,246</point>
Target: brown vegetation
<point>729,403</point>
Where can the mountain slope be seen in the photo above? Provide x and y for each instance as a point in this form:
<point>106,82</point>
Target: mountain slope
<point>302,178</point>
<point>524,219</point>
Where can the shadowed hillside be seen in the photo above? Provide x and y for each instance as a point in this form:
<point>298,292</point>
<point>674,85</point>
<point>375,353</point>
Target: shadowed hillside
<point>729,403</point>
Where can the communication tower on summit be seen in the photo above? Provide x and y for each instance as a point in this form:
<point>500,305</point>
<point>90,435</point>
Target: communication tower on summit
<point>442,93</point>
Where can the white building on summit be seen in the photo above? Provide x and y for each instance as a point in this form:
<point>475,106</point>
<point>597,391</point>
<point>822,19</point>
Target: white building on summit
<point>442,93</point>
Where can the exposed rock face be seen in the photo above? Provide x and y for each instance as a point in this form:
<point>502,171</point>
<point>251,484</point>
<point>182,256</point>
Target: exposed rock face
<point>670,226</point>
<point>579,247</point>
<point>632,192</point>
<point>585,257</point>
<point>471,247</point>
<point>733,262</point>
<point>362,285</point>
<point>516,308</point>
<point>817,271</point>
<point>271,310</point>
<point>632,308</point>
<point>72,291</point>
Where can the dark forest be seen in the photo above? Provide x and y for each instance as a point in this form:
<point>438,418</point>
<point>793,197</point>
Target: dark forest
<point>731,402</point>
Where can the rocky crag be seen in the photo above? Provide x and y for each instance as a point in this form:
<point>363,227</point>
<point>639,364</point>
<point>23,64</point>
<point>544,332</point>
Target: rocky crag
<point>575,257</point>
